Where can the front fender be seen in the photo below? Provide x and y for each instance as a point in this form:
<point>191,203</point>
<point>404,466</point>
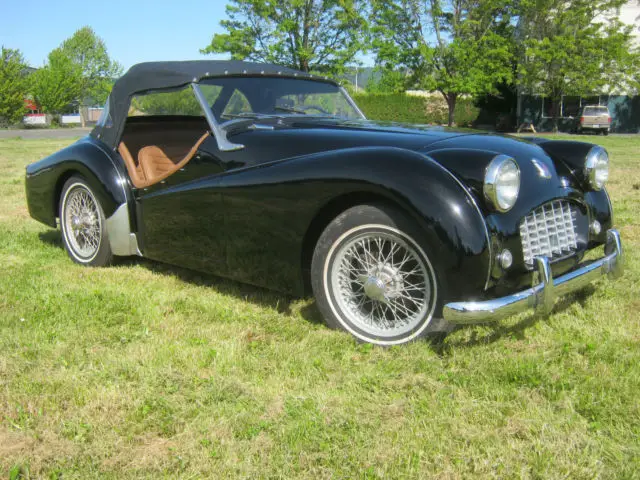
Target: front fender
<point>297,189</point>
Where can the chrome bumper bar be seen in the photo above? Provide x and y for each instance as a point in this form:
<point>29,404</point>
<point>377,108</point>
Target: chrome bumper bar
<point>545,289</point>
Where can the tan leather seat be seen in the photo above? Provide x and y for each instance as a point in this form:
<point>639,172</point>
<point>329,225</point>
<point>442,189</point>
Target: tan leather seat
<point>154,165</point>
<point>136,173</point>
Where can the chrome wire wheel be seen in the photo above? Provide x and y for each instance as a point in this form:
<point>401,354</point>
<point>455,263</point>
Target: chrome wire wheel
<point>382,284</point>
<point>81,223</point>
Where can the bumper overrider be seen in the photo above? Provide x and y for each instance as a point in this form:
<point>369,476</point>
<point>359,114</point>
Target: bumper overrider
<point>544,290</point>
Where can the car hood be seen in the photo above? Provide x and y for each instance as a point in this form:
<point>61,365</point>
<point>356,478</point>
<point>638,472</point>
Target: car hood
<point>544,166</point>
<point>404,135</point>
<point>465,152</point>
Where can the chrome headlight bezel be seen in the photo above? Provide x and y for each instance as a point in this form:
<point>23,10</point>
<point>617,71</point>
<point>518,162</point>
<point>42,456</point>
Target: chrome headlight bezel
<point>494,183</point>
<point>596,167</point>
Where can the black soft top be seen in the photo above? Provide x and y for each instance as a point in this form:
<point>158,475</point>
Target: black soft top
<point>161,75</point>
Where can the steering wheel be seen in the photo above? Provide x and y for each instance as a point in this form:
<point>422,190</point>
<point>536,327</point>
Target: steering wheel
<point>304,108</point>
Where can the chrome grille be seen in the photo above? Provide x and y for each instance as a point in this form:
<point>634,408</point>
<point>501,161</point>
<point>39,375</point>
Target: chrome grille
<point>549,230</point>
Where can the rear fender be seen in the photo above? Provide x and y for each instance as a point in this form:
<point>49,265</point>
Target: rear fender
<point>93,161</point>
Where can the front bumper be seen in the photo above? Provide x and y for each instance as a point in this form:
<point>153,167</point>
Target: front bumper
<point>545,289</point>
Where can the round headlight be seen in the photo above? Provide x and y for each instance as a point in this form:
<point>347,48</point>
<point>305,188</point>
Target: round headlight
<point>596,167</point>
<point>502,183</point>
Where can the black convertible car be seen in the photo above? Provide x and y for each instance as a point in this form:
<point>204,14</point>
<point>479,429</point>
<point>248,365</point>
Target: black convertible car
<point>274,177</point>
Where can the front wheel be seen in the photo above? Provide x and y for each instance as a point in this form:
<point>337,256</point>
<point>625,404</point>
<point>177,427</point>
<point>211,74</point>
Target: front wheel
<point>372,278</point>
<point>83,224</point>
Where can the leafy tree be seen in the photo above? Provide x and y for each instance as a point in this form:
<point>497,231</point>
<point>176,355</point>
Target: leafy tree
<point>13,85</point>
<point>389,81</point>
<point>456,47</point>
<point>89,53</point>
<point>310,35</point>
<point>57,85</point>
<point>176,102</point>
<point>573,47</point>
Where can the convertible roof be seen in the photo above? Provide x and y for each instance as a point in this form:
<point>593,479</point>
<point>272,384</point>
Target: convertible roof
<point>160,75</point>
<point>155,75</point>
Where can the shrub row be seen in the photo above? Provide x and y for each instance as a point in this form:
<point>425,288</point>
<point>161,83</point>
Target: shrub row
<point>400,107</point>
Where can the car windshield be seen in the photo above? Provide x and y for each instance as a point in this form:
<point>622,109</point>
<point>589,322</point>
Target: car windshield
<point>239,97</point>
<point>595,111</point>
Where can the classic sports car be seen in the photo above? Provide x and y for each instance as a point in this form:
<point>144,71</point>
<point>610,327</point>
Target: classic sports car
<point>274,177</point>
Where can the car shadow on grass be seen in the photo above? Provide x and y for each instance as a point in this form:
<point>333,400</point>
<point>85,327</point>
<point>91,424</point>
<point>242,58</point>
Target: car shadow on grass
<point>440,343</point>
<point>282,303</point>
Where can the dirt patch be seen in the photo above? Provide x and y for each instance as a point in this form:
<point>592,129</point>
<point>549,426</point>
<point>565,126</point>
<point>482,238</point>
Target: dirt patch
<point>37,452</point>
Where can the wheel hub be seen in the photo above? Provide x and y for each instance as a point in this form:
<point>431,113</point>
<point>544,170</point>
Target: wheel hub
<point>384,283</point>
<point>76,223</point>
<point>83,221</point>
<point>375,288</point>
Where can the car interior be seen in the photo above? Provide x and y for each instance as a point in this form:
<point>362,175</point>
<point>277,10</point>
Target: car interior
<point>165,128</point>
<point>155,147</point>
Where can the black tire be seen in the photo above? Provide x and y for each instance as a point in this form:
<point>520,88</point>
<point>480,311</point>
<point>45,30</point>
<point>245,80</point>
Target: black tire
<point>605,132</point>
<point>387,280</point>
<point>97,252</point>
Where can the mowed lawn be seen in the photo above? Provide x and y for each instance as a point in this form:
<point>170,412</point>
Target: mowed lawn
<point>146,370</point>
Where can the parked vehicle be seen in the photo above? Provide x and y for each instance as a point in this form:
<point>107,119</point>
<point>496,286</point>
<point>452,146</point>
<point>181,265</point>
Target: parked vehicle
<point>274,177</point>
<point>593,118</point>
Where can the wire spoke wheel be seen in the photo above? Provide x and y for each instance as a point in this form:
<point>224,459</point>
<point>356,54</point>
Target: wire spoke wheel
<point>82,222</point>
<point>382,283</point>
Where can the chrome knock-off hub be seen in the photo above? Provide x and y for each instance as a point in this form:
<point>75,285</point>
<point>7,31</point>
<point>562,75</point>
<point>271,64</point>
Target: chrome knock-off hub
<point>383,283</point>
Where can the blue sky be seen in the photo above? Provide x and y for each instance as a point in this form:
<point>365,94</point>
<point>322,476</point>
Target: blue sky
<point>134,31</point>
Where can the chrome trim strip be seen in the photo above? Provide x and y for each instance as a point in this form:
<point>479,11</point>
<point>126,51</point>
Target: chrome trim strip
<point>352,103</point>
<point>122,241</point>
<point>544,290</point>
<point>218,132</point>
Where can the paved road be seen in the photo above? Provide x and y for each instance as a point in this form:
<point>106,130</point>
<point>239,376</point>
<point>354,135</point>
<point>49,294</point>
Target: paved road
<point>46,133</point>
<point>81,132</point>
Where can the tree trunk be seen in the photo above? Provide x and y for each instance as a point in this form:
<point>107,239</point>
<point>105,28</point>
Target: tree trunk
<point>555,111</point>
<point>451,99</point>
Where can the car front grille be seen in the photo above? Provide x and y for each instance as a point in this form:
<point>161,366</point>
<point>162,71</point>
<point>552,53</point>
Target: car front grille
<point>549,230</point>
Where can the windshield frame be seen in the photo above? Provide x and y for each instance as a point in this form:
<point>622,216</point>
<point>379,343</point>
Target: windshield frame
<point>263,102</point>
<point>219,128</point>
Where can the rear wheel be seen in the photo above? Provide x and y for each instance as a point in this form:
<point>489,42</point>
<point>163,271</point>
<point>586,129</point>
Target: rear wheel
<point>373,279</point>
<point>83,224</point>
<point>605,132</point>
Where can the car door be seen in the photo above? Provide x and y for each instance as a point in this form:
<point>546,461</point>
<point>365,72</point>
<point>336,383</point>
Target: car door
<point>182,218</point>
<point>179,216</point>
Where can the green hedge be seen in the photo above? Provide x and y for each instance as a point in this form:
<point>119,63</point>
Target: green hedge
<point>399,107</point>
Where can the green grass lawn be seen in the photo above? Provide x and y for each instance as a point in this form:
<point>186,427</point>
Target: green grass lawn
<point>146,370</point>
